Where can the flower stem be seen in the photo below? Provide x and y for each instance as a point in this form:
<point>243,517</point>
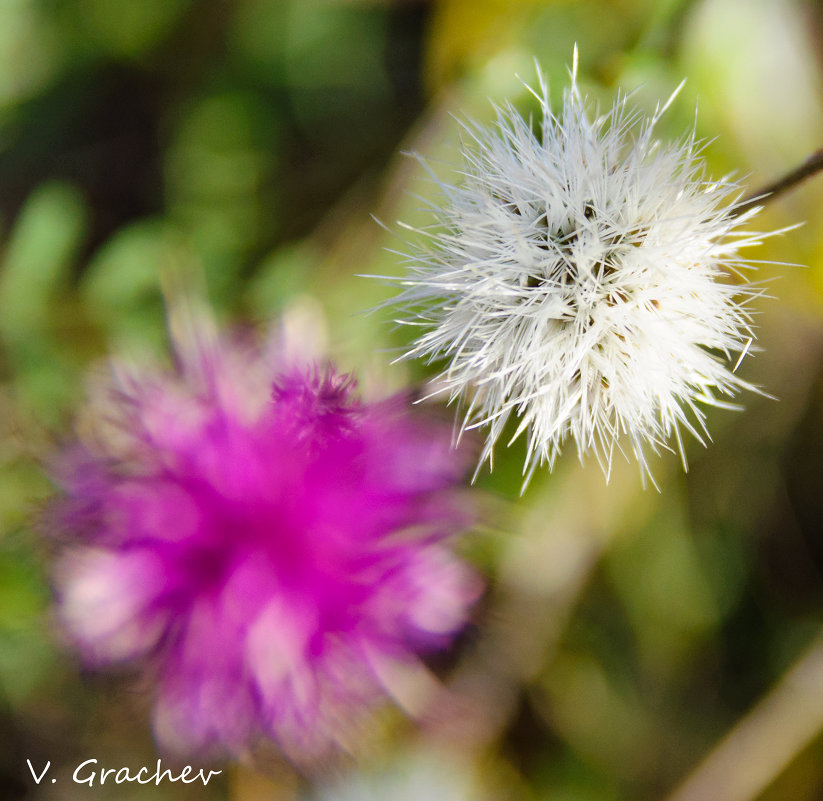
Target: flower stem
<point>760,747</point>
<point>809,167</point>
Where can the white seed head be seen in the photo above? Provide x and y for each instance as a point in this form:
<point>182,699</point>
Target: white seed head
<point>584,277</point>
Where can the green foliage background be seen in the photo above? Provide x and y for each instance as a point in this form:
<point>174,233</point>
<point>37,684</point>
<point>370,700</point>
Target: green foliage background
<point>245,145</point>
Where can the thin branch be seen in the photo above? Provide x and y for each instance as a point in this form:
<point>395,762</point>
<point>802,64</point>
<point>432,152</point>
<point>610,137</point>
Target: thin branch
<point>809,167</point>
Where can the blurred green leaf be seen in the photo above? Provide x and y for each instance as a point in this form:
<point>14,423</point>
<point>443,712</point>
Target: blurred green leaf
<point>37,259</point>
<point>122,284</point>
<point>669,600</point>
<point>130,28</point>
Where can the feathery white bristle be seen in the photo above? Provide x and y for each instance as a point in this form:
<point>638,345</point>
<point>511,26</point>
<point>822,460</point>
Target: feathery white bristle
<point>579,279</point>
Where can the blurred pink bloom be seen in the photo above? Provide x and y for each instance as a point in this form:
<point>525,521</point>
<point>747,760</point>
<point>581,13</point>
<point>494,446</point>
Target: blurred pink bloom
<point>260,542</point>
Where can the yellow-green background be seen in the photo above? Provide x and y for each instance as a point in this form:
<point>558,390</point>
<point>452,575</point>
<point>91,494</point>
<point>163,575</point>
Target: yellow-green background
<point>244,146</point>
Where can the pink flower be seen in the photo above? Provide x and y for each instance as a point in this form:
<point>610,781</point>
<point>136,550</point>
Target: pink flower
<point>260,542</point>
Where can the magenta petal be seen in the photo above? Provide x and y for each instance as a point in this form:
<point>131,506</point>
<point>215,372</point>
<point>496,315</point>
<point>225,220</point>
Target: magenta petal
<point>246,533</point>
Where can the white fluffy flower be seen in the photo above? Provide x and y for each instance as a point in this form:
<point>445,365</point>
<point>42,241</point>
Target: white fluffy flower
<point>584,277</point>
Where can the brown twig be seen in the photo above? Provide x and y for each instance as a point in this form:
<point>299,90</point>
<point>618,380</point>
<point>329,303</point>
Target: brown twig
<point>808,168</point>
